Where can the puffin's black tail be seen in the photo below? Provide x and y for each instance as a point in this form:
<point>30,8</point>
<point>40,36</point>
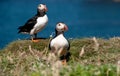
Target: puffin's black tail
<point>22,29</point>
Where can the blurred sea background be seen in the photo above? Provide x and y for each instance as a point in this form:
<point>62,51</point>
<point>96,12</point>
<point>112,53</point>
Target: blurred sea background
<point>85,18</point>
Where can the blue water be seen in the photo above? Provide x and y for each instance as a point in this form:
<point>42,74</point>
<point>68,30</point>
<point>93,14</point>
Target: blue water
<point>85,18</point>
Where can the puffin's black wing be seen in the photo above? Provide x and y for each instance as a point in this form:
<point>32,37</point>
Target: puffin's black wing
<point>49,47</point>
<point>28,25</point>
<point>69,45</point>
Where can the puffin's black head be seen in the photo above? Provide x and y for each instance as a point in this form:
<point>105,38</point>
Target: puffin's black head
<point>42,8</point>
<point>60,28</point>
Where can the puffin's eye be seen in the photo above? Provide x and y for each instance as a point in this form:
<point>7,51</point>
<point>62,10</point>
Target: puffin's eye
<point>59,25</point>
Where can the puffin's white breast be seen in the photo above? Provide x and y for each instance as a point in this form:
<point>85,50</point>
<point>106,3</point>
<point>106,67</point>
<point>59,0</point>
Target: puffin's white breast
<point>59,42</point>
<point>41,23</point>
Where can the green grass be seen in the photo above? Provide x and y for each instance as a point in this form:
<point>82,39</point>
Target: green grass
<point>25,58</point>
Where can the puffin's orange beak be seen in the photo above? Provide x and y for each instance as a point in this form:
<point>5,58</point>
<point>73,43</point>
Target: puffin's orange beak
<point>65,28</point>
<point>45,8</point>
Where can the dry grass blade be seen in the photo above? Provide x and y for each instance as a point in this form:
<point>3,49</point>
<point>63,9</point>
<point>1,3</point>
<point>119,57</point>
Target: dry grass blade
<point>96,47</point>
<point>56,66</point>
<point>118,68</point>
<point>18,64</point>
<point>82,51</point>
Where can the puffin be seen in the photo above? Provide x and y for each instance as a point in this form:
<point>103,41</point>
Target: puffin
<point>59,45</point>
<point>36,23</point>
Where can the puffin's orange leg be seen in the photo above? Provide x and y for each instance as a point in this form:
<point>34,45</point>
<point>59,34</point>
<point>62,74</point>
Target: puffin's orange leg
<point>35,40</point>
<point>64,62</point>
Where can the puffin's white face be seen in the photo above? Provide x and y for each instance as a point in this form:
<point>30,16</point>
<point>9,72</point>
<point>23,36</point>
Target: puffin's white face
<point>42,7</point>
<point>61,27</point>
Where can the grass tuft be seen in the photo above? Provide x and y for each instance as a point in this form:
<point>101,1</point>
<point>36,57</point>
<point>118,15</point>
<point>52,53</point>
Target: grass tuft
<point>89,57</point>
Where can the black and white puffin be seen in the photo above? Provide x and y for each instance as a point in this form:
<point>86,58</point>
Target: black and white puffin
<point>36,23</point>
<point>59,45</point>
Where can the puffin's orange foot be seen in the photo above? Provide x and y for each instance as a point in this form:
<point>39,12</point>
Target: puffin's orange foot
<point>35,40</point>
<point>64,62</point>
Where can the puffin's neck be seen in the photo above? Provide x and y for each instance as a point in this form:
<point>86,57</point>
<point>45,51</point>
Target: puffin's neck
<point>40,13</point>
<point>58,33</point>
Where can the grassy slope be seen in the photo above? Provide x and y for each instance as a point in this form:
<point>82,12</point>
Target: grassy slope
<point>98,57</point>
